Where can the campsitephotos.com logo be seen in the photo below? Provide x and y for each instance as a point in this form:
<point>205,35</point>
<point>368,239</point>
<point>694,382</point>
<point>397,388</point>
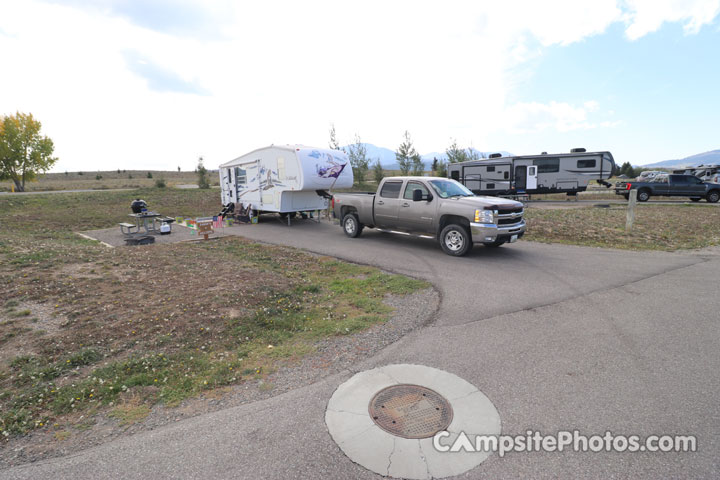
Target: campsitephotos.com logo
<point>534,441</point>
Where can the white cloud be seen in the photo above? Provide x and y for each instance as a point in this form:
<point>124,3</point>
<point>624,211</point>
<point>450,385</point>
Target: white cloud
<point>277,72</point>
<point>647,16</point>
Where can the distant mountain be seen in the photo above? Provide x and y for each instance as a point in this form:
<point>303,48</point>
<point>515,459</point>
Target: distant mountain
<point>707,158</point>
<point>387,156</point>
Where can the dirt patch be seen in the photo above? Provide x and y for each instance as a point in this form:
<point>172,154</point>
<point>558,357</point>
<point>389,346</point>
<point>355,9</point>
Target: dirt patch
<point>22,324</point>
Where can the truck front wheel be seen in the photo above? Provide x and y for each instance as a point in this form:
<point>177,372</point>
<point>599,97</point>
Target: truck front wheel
<point>713,196</point>
<point>643,196</point>
<point>351,225</point>
<point>455,240</point>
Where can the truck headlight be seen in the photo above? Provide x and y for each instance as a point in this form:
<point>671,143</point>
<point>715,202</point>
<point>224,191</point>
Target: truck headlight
<point>484,216</point>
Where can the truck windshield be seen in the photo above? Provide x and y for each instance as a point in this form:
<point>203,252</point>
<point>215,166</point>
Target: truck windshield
<point>450,188</point>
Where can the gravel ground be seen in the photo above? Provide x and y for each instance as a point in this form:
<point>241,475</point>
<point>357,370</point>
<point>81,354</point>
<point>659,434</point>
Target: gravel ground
<point>332,355</point>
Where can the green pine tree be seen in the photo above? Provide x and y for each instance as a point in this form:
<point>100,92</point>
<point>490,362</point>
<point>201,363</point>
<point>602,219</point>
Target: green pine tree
<point>405,155</point>
<point>357,152</point>
<point>378,171</point>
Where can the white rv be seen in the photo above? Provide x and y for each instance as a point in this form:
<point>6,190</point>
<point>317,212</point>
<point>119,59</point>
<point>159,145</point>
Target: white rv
<point>555,173</point>
<point>284,178</point>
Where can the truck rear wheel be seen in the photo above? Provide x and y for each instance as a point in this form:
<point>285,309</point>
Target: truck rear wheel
<point>713,196</point>
<point>455,240</point>
<point>351,225</point>
<point>643,196</point>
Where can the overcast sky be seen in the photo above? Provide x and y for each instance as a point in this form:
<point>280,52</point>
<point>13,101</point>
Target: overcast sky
<point>155,84</point>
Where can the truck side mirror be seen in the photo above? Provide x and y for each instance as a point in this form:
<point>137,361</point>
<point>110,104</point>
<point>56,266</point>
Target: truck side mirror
<point>417,195</point>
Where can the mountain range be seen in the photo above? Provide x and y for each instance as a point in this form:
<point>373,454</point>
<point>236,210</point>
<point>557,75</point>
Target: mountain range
<point>707,158</point>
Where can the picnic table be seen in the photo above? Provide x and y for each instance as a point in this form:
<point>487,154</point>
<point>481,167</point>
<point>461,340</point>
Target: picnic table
<point>144,223</point>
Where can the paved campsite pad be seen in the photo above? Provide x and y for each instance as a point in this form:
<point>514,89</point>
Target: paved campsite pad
<point>114,238</point>
<point>397,387</point>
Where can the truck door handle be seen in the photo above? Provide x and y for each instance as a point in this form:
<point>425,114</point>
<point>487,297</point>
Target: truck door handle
<point>381,202</point>
<point>406,204</point>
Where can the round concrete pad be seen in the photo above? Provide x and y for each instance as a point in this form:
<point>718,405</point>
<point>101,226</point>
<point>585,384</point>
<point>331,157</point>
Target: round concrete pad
<point>366,444</point>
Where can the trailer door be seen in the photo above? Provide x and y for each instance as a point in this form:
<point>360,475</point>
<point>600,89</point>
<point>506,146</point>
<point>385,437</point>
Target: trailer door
<point>531,183</point>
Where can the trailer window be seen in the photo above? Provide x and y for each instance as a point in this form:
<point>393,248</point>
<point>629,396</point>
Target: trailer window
<point>547,165</point>
<point>411,187</point>
<point>586,164</point>
<point>455,175</point>
<point>391,190</point>
<point>240,176</point>
<point>491,169</point>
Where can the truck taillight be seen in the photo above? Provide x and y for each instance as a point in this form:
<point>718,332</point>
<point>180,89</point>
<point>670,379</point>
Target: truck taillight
<point>332,203</point>
<point>629,186</point>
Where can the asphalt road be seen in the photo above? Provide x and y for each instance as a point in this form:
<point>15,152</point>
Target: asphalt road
<point>558,337</point>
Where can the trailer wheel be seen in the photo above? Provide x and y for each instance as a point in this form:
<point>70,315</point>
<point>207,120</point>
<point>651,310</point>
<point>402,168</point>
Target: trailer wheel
<point>695,199</point>
<point>455,240</point>
<point>643,196</point>
<point>351,225</point>
<point>713,197</point>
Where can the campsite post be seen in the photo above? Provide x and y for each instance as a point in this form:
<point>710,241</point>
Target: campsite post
<point>632,201</point>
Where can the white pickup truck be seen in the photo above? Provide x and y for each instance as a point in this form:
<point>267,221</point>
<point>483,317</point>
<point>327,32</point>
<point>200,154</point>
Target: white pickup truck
<point>432,206</point>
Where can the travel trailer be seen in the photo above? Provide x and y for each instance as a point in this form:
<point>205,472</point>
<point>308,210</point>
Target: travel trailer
<point>704,172</point>
<point>545,173</point>
<point>284,179</point>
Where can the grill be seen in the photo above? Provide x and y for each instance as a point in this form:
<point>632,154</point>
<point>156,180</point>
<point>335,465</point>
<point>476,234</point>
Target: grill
<point>509,221</point>
<point>505,211</point>
<point>410,411</point>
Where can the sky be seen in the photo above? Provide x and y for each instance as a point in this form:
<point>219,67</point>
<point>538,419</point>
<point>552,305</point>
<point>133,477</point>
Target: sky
<point>143,84</point>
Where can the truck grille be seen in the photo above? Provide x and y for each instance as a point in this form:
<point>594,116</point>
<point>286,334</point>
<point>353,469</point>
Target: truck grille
<point>506,211</point>
<point>509,221</point>
<point>510,216</point>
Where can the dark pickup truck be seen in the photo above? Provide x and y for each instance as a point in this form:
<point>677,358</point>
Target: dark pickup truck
<point>671,186</point>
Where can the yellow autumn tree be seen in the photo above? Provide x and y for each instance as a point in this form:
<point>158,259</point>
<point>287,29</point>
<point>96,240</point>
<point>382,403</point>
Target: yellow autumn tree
<point>24,153</point>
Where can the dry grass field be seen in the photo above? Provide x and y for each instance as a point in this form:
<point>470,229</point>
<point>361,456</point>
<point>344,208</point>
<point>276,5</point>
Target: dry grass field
<point>656,227</point>
<point>109,180</point>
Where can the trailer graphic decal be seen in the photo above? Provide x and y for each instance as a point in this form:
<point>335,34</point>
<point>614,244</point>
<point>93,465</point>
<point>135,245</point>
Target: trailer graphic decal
<point>332,168</point>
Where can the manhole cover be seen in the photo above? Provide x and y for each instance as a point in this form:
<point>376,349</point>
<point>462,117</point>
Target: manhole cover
<point>410,411</point>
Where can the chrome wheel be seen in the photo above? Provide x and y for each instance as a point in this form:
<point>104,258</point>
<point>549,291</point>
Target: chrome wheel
<point>350,226</point>
<point>454,240</point>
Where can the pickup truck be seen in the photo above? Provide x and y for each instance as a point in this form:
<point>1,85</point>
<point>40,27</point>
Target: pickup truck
<point>435,206</point>
<point>671,186</point>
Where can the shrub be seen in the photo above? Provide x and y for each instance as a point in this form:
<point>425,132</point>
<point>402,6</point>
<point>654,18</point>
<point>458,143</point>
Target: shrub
<point>149,175</point>
<point>160,183</point>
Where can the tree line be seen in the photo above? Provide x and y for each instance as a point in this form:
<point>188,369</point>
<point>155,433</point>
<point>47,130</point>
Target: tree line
<point>407,157</point>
